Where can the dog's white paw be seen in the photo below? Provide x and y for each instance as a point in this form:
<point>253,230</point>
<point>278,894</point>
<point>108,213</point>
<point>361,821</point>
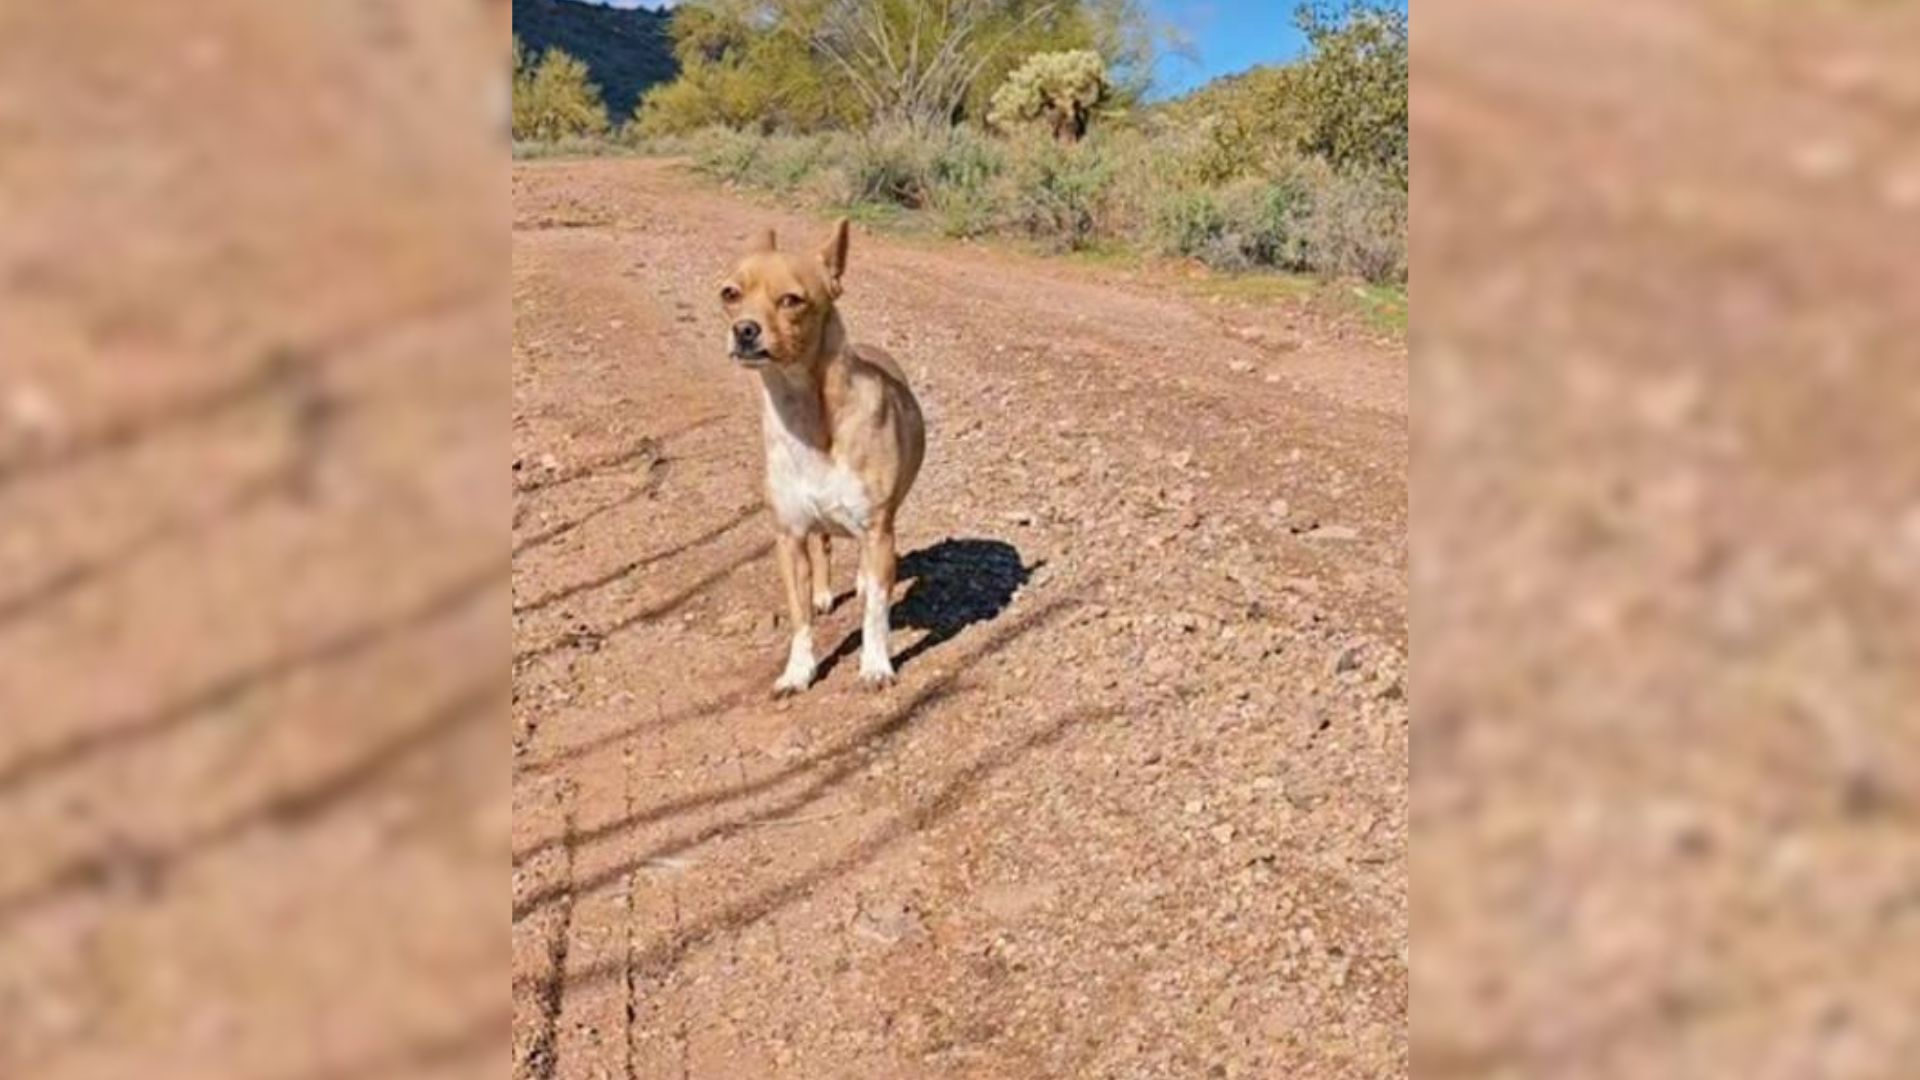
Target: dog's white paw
<point>876,671</point>
<point>822,603</point>
<point>799,673</point>
<point>791,682</point>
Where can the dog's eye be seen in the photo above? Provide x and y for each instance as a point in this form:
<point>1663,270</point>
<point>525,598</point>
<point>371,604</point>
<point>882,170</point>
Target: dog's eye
<point>729,294</point>
<point>792,301</point>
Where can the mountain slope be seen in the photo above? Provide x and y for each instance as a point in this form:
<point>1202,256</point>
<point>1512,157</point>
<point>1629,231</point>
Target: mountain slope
<point>627,49</point>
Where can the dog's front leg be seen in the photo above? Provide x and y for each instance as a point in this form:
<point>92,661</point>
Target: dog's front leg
<point>877,567</point>
<point>795,577</point>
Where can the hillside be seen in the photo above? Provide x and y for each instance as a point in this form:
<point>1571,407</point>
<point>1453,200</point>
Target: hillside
<point>627,50</point>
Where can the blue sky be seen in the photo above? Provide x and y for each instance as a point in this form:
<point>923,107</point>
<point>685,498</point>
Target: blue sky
<point>1224,35</point>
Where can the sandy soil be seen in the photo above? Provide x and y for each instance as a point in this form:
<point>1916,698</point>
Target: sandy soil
<point>1137,807</point>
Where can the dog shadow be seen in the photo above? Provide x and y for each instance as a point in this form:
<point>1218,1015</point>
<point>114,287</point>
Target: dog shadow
<point>953,584</point>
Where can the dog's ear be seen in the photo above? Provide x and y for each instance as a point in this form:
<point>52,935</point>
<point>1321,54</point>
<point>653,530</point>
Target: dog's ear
<point>834,255</point>
<point>763,242</point>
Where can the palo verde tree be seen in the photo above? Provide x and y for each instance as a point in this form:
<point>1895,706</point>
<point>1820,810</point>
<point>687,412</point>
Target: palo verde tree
<point>801,65</point>
<point>553,97</point>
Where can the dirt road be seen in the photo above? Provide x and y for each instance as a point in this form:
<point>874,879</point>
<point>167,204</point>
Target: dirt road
<point>1137,806</point>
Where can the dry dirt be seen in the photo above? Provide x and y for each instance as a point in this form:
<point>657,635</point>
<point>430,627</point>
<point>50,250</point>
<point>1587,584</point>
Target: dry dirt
<point>1137,807</point>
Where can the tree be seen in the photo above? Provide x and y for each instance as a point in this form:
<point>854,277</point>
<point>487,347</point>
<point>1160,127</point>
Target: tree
<point>554,98</point>
<point>915,62</point>
<point>1345,102</point>
<point>807,64</point>
<point>1352,89</point>
<point>1060,88</point>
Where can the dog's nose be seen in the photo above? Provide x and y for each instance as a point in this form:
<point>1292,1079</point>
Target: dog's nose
<point>746,332</point>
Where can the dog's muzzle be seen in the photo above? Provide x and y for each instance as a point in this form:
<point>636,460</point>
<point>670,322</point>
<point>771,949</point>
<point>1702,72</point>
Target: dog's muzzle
<point>749,349</point>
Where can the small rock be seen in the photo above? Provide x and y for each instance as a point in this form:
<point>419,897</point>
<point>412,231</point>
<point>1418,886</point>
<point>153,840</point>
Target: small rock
<point>1240,367</point>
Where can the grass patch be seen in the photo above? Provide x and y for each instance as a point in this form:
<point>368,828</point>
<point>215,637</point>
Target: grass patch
<point>1382,308</point>
<point>1385,306</point>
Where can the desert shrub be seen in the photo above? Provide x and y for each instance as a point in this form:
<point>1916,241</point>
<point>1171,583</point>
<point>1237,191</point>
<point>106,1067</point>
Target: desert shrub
<point>1056,192</point>
<point>965,159</point>
<point>1126,187</point>
<point>1264,225</point>
<point>789,162</point>
<point>963,189</point>
<point>725,154</point>
<point>1309,217</point>
<point>1358,227</point>
<point>968,212</point>
<point>1057,89</point>
<point>891,165</point>
<point>1185,221</point>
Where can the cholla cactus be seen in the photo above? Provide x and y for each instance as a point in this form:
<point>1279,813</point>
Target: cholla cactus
<point>1061,88</point>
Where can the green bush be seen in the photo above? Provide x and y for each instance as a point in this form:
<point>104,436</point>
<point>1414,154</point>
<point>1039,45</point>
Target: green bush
<point>553,98</point>
<point>788,162</point>
<point>1057,193</point>
<point>725,154</point>
<point>892,166</point>
<point>1358,228</point>
<point>1186,221</point>
<point>1123,187</point>
<point>964,191</point>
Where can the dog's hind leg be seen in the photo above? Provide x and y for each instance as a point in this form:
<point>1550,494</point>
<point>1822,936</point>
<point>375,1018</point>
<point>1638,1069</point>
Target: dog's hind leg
<point>878,565</point>
<point>818,548</point>
<point>794,572</point>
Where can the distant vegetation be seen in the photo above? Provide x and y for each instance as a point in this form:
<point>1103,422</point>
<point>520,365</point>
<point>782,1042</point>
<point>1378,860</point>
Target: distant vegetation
<point>625,50</point>
<point>1023,117</point>
<point>553,98</point>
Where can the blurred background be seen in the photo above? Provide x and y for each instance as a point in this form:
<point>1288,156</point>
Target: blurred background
<point>1667,545</point>
<point>253,505</point>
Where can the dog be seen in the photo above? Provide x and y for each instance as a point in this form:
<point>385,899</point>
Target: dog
<point>843,434</point>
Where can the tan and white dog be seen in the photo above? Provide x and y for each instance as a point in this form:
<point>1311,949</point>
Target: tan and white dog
<point>844,439</point>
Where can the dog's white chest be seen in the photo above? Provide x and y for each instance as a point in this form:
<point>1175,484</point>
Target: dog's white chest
<point>809,491</point>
